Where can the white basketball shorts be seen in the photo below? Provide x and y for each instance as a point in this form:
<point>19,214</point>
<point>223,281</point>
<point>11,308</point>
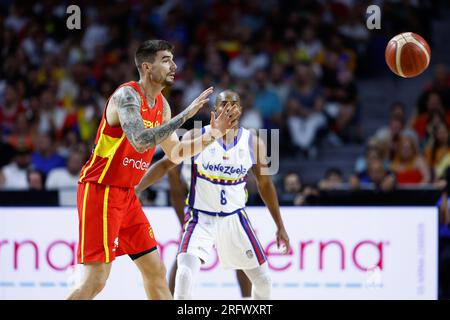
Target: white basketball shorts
<point>231,234</point>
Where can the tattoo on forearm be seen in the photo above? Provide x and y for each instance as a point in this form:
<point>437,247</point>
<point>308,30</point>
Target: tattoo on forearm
<point>128,104</point>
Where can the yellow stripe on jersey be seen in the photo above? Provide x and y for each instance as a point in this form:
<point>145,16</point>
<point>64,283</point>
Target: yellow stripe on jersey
<point>95,154</point>
<point>107,145</point>
<point>105,224</point>
<point>83,220</point>
<point>88,167</point>
<point>215,177</point>
<point>108,149</point>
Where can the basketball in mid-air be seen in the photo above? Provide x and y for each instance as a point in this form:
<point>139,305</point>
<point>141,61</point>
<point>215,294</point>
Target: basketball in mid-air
<point>408,54</point>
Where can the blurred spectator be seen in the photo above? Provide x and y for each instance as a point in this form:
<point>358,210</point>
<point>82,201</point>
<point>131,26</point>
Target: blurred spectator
<point>337,84</point>
<point>190,86</point>
<point>10,109</point>
<point>333,179</point>
<point>336,56</point>
<point>438,147</point>
<point>45,157</point>
<point>408,164</point>
<point>425,116</point>
<point>35,180</point>
<point>21,136</point>
<point>37,45</point>
<point>65,178</point>
<point>389,135</point>
<point>344,126</point>
<point>266,101</point>
<point>214,63</point>
<point>373,152</point>
<point>96,33</point>
<point>244,66</point>
<point>51,117</point>
<point>291,187</point>
<point>375,177</point>
<point>288,54</point>
<point>279,83</point>
<point>356,31</point>
<point>88,115</point>
<point>70,142</point>
<point>304,109</point>
<point>251,118</point>
<point>16,19</point>
<point>223,84</point>
<point>309,46</point>
<point>440,83</point>
<point>14,175</point>
<point>307,196</point>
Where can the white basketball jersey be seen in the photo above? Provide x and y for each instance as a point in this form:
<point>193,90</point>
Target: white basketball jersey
<point>218,173</point>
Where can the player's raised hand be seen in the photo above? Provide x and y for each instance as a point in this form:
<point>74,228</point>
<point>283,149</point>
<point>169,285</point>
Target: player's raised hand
<point>198,102</point>
<point>227,119</point>
<point>283,238</point>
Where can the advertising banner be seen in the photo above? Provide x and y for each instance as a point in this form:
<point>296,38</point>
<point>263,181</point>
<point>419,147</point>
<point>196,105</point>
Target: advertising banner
<point>336,253</point>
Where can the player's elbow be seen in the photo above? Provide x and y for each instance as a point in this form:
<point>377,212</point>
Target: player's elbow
<point>174,159</point>
<point>175,155</point>
<point>168,164</point>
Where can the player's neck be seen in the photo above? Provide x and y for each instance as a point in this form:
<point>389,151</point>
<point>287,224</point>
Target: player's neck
<point>230,135</point>
<point>149,90</point>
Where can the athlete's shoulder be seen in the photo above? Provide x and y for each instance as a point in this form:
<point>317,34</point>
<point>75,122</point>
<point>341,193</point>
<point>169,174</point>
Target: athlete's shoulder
<point>131,83</point>
<point>126,93</point>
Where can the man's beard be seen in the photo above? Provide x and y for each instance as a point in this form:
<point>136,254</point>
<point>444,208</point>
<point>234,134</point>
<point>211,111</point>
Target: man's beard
<point>168,83</point>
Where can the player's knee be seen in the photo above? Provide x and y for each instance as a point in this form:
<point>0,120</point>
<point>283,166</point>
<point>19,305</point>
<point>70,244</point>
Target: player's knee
<point>263,281</point>
<point>156,273</point>
<point>95,284</point>
<point>183,283</point>
<point>262,287</point>
<point>184,274</point>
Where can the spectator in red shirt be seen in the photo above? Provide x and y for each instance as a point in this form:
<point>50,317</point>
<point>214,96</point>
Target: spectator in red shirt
<point>10,110</point>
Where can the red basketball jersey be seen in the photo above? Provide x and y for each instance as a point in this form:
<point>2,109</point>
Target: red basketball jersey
<point>114,161</point>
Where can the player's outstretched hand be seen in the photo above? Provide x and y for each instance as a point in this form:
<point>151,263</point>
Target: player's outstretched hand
<point>198,102</point>
<point>283,238</point>
<point>227,119</point>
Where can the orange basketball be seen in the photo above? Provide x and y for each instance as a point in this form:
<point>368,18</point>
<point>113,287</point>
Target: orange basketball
<point>407,54</point>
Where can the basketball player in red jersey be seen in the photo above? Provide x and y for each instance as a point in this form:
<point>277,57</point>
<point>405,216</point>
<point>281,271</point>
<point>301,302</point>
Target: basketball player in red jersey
<point>137,117</point>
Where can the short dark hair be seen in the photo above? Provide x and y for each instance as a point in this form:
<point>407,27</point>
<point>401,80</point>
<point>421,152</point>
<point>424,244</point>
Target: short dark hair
<point>331,171</point>
<point>147,50</point>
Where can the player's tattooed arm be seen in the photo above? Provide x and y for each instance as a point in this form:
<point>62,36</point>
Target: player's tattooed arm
<point>128,102</point>
<point>167,113</point>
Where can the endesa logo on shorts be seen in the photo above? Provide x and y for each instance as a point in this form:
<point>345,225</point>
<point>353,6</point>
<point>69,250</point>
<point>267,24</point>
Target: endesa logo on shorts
<point>136,164</point>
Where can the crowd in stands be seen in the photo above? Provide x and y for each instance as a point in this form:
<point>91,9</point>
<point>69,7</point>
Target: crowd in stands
<point>407,152</point>
<point>295,65</point>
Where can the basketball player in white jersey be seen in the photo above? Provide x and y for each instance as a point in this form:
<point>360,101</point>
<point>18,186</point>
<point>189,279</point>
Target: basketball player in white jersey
<point>179,184</point>
<point>216,207</point>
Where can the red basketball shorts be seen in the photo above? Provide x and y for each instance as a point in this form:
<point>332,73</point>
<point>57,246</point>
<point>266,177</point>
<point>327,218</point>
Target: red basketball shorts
<point>111,223</point>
